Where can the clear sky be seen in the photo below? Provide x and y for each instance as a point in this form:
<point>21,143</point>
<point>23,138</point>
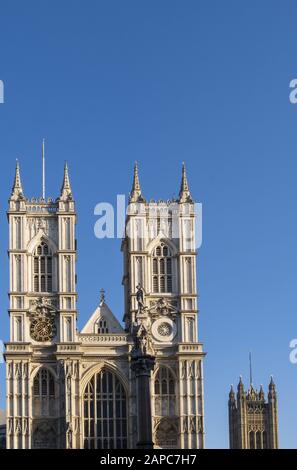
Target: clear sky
<point>110,82</point>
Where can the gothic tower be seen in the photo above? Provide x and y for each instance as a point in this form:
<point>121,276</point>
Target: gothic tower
<point>71,389</point>
<point>253,419</point>
<point>42,310</point>
<point>160,267</point>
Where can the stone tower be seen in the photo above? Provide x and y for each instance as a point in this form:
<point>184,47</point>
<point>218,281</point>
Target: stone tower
<point>160,267</point>
<point>253,419</point>
<point>77,389</point>
<point>42,310</point>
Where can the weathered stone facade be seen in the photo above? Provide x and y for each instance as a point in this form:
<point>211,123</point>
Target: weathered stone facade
<point>70,389</point>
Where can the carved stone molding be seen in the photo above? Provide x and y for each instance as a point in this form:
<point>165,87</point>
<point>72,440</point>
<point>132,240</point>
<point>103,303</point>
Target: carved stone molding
<point>166,432</point>
<point>46,225</point>
<point>106,338</point>
<point>162,308</point>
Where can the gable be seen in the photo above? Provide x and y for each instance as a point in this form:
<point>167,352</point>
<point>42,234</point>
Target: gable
<point>102,316</point>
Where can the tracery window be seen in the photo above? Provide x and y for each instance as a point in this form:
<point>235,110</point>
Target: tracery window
<point>264,435</point>
<point>162,269</point>
<point>102,326</point>
<point>258,440</point>
<point>105,412</point>
<point>252,439</point>
<point>42,269</point>
<point>44,393</point>
<point>165,398</point>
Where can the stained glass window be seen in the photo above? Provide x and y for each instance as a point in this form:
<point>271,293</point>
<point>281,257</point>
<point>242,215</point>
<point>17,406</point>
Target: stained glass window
<point>105,413</point>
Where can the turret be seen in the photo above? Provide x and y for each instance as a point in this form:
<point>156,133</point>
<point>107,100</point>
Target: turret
<point>240,388</point>
<point>135,195</point>
<point>261,393</point>
<point>272,391</point>
<point>184,192</point>
<point>66,193</point>
<point>231,394</point>
<point>17,188</point>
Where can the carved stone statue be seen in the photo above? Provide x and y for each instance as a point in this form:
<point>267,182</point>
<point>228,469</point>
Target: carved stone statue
<point>142,344</point>
<point>140,297</point>
<point>69,436</point>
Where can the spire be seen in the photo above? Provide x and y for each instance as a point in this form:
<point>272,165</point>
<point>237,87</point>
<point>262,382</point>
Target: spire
<point>272,391</point>
<point>66,192</point>
<point>184,193</point>
<point>231,393</point>
<point>240,387</point>
<point>261,393</point>
<point>135,195</point>
<point>17,189</point>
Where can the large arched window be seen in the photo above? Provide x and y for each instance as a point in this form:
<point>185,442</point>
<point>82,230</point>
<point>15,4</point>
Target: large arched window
<point>44,393</point>
<point>162,269</point>
<point>105,412</point>
<point>42,269</point>
<point>165,399</point>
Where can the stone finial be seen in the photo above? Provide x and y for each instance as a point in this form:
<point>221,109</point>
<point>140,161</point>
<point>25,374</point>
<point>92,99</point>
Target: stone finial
<point>66,192</point>
<point>17,189</point>
<point>102,296</point>
<point>135,195</point>
<point>184,192</point>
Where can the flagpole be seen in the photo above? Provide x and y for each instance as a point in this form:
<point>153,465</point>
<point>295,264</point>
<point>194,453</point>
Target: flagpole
<point>43,170</point>
<point>251,375</point>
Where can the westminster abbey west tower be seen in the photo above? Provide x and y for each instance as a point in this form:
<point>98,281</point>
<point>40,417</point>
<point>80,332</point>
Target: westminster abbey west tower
<point>71,389</point>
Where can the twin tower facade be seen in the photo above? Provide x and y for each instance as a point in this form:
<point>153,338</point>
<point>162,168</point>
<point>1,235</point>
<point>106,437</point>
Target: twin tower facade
<point>76,389</point>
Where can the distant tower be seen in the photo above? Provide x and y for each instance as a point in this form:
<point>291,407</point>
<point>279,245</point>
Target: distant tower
<point>252,419</point>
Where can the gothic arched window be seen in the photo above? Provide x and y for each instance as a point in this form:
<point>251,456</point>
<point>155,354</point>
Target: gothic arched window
<point>42,269</point>
<point>44,393</point>
<point>252,439</point>
<point>105,413</point>
<point>162,269</point>
<point>101,326</point>
<point>264,436</point>
<point>259,440</point>
<point>165,398</point>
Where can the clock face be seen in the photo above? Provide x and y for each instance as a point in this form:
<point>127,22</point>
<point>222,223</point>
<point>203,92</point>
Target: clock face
<point>43,329</point>
<point>164,330</point>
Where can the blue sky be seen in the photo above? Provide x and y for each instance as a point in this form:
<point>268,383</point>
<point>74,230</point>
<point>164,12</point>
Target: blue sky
<point>110,82</point>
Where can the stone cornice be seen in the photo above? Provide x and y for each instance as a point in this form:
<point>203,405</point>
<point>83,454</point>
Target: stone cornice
<point>112,338</point>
